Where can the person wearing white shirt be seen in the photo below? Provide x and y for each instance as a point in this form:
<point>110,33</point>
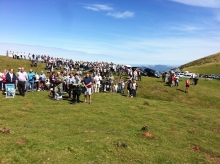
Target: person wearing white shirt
<point>37,81</point>
<point>97,80</point>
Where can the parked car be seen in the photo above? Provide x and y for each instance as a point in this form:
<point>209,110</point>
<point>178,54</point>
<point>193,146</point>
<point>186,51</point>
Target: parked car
<point>140,68</point>
<point>180,74</point>
<point>151,72</point>
<point>213,76</point>
<point>188,76</point>
<point>207,76</point>
<point>201,75</point>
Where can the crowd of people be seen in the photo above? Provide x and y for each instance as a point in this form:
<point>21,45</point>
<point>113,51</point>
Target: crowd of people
<point>67,76</point>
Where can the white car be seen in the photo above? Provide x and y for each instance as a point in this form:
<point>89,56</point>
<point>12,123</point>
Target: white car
<point>188,76</point>
<point>180,74</point>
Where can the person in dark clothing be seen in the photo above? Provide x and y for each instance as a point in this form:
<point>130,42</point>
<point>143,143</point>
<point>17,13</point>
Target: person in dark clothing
<point>11,77</point>
<point>76,85</point>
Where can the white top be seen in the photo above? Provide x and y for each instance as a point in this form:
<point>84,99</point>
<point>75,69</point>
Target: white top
<point>98,79</point>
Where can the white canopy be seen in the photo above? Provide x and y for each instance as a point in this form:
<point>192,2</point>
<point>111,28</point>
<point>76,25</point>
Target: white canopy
<point>128,65</point>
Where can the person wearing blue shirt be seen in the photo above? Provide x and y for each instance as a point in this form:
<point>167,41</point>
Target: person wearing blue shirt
<point>30,80</point>
<point>87,81</point>
<point>42,79</point>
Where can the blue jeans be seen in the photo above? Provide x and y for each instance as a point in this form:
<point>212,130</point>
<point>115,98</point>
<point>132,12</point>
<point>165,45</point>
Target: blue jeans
<point>30,83</point>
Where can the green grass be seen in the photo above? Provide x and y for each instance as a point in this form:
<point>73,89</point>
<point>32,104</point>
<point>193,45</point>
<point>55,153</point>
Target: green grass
<point>48,131</point>
<point>205,69</point>
<point>207,65</point>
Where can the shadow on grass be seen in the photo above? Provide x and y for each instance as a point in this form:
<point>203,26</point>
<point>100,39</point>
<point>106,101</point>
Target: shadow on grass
<point>180,90</point>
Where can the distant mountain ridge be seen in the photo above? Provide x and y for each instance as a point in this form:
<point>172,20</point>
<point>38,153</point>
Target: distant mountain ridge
<point>158,67</point>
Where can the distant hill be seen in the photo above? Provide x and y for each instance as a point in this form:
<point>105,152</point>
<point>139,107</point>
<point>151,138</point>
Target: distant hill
<point>206,65</point>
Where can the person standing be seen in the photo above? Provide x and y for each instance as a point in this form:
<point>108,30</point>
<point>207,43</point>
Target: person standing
<point>1,81</point>
<point>70,84</point>
<point>58,83</point>
<point>76,85</point>
<point>42,79</point>
<point>134,88</point>
<point>187,85</point>
<point>103,82</point>
<point>22,78</point>
<point>31,76</point>
<point>139,75</point>
<point>177,79</point>
<point>11,77</point>
<point>87,81</point>
<point>97,80</point>
<point>4,79</point>
<point>120,80</point>
<point>172,78</point>
<point>36,81</point>
<point>111,80</point>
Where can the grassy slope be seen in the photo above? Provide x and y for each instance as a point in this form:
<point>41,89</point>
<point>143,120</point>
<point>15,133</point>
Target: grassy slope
<point>47,131</point>
<point>206,65</point>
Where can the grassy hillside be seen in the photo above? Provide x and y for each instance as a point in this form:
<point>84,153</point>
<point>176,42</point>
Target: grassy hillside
<point>206,65</point>
<point>7,63</point>
<point>182,128</point>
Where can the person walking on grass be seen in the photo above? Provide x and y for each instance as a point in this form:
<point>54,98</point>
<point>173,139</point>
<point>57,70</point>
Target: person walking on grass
<point>87,82</point>
<point>187,85</point>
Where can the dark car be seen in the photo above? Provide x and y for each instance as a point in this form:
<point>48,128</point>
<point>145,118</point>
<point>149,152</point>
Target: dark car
<point>151,72</point>
<point>142,72</point>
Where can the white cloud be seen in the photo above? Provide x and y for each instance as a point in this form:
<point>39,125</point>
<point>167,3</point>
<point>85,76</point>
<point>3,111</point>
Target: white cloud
<point>118,15</point>
<point>200,3</point>
<point>98,7</point>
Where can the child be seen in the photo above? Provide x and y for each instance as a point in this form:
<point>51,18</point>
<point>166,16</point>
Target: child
<point>115,88</point>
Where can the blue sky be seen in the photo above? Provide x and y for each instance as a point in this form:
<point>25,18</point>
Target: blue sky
<point>171,32</point>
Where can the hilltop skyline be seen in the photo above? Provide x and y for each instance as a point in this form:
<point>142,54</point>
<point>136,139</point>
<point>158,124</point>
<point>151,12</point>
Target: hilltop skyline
<point>170,32</point>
